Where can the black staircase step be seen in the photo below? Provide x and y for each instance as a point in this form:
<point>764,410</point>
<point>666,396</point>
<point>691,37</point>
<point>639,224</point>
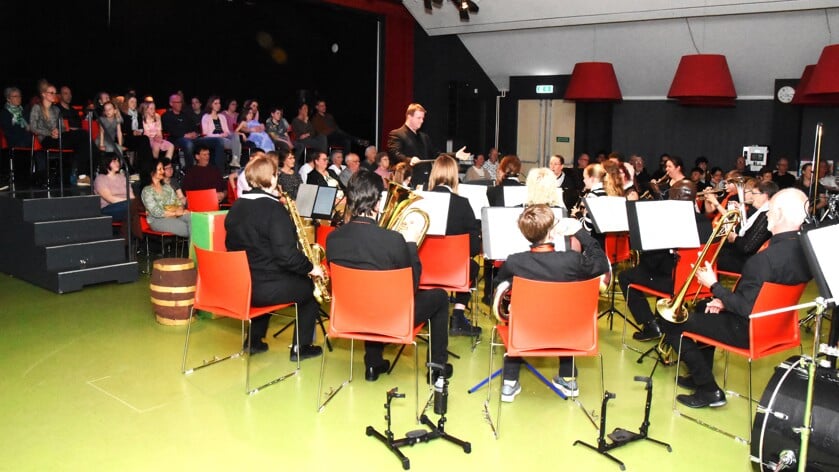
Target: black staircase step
<point>75,280</point>
<point>85,254</point>
<point>49,233</point>
<point>65,208</point>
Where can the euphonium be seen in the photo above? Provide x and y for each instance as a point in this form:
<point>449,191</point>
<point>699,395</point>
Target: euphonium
<point>397,211</point>
<point>501,301</point>
<point>675,310</point>
<point>313,252</point>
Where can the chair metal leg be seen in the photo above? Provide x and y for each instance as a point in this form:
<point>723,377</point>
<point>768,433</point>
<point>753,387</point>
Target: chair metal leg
<point>332,390</point>
<point>487,414</point>
<point>205,363</point>
<point>279,379</point>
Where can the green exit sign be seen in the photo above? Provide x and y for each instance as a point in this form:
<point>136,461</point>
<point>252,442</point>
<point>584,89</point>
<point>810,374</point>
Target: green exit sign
<point>544,89</point>
<point>563,139</point>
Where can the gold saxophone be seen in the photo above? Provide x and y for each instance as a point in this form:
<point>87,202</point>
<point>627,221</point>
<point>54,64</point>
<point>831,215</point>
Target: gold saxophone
<point>313,252</point>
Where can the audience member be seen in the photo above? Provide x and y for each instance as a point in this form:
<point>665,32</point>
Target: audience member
<point>202,176</point>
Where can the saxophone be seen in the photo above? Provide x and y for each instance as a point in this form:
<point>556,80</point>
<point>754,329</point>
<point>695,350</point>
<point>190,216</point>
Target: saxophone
<point>313,252</point>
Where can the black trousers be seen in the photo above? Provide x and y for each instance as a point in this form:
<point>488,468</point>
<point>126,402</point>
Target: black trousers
<point>724,326</point>
<point>636,300</point>
<point>512,367</point>
<point>431,306</point>
<point>292,289</point>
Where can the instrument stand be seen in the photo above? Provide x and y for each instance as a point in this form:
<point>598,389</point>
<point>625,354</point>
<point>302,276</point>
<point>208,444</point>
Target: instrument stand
<point>612,310</point>
<point>419,435</point>
<point>660,359</point>
<point>621,437</point>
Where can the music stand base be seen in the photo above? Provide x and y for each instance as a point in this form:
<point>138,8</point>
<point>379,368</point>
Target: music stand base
<point>620,437</point>
<point>418,436</point>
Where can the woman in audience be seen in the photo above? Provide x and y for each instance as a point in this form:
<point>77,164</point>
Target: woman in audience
<point>230,114</point>
<point>44,119</point>
<point>153,130</point>
<point>322,176</point>
<point>304,133</point>
<point>383,166</point>
<point>213,125</point>
<point>277,127</point>
<point>14,124</point>
<point>255,132</point>
<point>288,179</point>
<point>477,171</point>
<point>110,185</point>
<point>172,180</point>
<point>110,130</point>
<point>163,208</point>
<point>132,133</point>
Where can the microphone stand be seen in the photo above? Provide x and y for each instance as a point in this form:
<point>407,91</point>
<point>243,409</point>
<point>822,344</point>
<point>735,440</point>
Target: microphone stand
<point>60,157</point>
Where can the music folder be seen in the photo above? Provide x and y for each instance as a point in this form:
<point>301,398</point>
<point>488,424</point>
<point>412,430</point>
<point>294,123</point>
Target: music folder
<point>821,252</point>
<point>607,213</point>
<point>501,234</point>
<point>661,224</point>
<point>316,202</point>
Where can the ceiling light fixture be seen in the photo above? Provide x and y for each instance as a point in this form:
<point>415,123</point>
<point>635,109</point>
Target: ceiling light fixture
<point>464,7</point>
<point>702,80</point>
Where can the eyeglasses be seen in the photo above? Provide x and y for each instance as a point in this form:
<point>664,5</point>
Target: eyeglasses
<point>49,93</point>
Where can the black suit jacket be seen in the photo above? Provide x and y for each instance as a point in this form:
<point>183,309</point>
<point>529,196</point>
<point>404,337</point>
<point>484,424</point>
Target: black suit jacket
<point>461,220</point>
<point>495,195</point>
<point>403,144</point>
<point>315,178</point>
<point>362,244</point>
<point>561,266</point>
<point>571,189</point>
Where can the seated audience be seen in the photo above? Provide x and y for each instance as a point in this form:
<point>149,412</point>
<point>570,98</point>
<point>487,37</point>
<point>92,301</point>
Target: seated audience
<point>202,176</point>
<point>163,208</point>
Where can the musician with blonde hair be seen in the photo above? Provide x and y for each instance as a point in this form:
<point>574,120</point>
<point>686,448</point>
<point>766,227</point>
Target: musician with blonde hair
<point>541,188</point>
<point>544,263</point>
<point>260,225</point>
<point>461,220</point>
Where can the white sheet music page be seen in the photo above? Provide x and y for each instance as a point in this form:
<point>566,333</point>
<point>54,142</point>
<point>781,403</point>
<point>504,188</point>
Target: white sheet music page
<point>667,224</point>
<point>823,241</point>
<point>477,196</point>
<point>436,204</point>
<point>501,234</point>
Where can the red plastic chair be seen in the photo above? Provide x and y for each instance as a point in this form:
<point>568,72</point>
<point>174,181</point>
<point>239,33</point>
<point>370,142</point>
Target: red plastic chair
<point>223,287</point>
<point>768,334</point>
<point>445,263</point>
<point>539,329</point>
<point>321,232</point>
<point>177,241</point>
<point>202,200</point>
<point>617,247</point>
<point>388,317</point>
<point>232,194</point>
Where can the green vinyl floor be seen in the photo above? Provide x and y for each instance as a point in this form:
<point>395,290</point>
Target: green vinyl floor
<point>91,382</point>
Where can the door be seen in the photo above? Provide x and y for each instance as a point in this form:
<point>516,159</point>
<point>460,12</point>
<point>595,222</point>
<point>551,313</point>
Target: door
<point>545,128</point>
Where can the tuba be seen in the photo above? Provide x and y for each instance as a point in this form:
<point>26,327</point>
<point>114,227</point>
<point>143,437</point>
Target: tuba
<point>501,301</point>
<point>397,211</point>
<point>313,252</point>
<point>675,310</point>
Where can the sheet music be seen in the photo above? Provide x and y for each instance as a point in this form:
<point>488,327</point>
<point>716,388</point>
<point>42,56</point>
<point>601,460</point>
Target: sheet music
<point>514,195</point>
<point>662,224</point>
<point>305,200</point>
<point>608,213</point>
<point>822,255</point>
<point>313,200</point>
<point>436,204</point>
<point>501,234</point>
<point>477,196</point>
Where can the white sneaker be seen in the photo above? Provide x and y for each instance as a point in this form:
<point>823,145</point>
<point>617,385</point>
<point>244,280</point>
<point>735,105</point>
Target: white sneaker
<point>568,386</point>
<point>234,162</point>
<point>509,391</point>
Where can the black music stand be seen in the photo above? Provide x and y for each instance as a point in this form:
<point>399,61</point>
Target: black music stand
<point>609,217</point>
<point>821,253</point>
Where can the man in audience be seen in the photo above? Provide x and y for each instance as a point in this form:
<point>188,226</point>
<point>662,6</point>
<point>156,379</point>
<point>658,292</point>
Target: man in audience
<point>781,176</point>
<point>353,164</point>
<point>202,176</point>
<point>184,133</point>
<point>309,165</point>
<point>73,117</point>
<point>491,164</point>
<point>197,109</point>
<point>326,125</point>
<point>369,162</point>
<point>726,316</point>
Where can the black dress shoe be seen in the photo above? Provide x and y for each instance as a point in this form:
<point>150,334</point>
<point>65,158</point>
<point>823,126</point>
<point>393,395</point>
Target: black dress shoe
<point>650,332</point>
<point>686,381</point>
<point>258,347</point>
<point>702,398</point>
<point>371,373</point>
<point>448,371</point>
<point>305,352</point>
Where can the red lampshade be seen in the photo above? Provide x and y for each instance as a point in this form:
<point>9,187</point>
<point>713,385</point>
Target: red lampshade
<point>703,80</point>
<point>593,82</point>
<point>824,83</point>
<point>803,95</point>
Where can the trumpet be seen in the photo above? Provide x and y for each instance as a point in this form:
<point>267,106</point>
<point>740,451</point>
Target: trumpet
<point>711,191</point>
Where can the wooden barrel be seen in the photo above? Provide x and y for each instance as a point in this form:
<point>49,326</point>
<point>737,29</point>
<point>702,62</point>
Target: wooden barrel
<point>172,288</point>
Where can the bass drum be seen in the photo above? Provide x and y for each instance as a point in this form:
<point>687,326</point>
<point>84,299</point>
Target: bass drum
<point>782,410</point>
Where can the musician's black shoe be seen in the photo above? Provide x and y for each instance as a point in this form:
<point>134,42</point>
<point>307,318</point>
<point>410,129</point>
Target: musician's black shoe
<point>686,381</point>
<point>702,398</point>
<point>650,332</point>
<point>257,347</point>
<point>434,374</point>
<point>371,373</point>
<point>460,326</point>
<point>306,352</point>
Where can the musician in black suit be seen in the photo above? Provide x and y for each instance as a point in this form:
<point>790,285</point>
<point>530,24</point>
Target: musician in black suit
<point>726,316</point>
<point>461,220</point>
<point>655,270</point>
<point>544,263</point>
<point>280,273</point>
<point>408,141</point>
<point>569,185</point>
<point>508,174</point>
<point>362,244</point>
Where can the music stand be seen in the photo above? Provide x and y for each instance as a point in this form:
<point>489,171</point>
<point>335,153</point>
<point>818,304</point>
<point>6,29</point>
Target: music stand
<point>820,250</point>
<point>608,214</point>
<point>645,234</point>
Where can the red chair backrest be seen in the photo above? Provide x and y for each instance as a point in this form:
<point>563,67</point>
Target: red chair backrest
<point>388,316</point>
<point>232,191</point>
<point>3,143</point>
<point>686,259</point>
<point>445,262</point>
<point>538,322</point>
<point>778,332</point>
<point>223,286</point>
<point>321,232</point>
<point>202,200</point>
<point>617,247</point>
